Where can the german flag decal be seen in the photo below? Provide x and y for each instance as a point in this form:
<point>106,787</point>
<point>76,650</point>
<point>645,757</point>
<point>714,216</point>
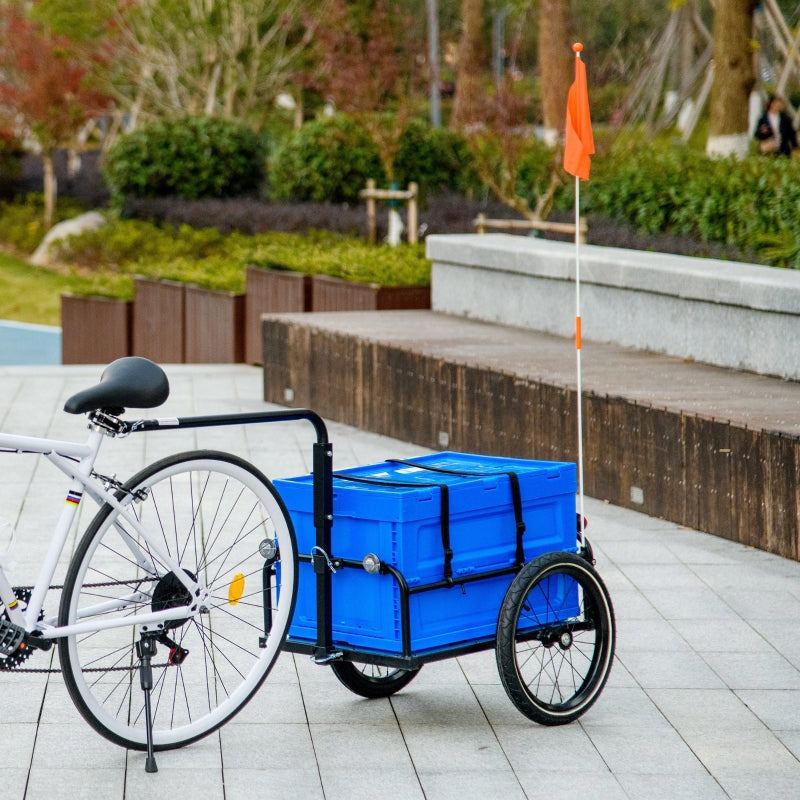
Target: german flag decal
<point>74,497</point>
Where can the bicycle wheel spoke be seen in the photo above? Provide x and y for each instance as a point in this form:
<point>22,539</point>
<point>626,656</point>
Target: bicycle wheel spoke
<point>225,554</point>
<point>214,648</point>
<point>208,655</point>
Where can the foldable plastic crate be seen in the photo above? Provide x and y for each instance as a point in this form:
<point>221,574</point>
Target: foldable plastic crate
<point>393,509</point>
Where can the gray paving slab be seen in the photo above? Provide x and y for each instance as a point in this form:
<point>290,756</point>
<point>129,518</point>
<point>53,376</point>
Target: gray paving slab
<point>703,700</point>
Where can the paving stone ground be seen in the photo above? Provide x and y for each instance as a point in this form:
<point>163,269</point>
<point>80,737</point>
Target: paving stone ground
<point>703,700</point>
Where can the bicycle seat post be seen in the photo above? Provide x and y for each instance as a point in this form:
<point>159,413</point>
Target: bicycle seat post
<point>146,649</point>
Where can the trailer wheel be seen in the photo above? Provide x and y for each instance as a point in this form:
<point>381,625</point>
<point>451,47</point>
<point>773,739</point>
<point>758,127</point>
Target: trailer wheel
<point>372,680</point>
<point>555,638</point>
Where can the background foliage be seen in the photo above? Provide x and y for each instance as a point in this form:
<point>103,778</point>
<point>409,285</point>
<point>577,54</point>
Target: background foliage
<point>749,203</point>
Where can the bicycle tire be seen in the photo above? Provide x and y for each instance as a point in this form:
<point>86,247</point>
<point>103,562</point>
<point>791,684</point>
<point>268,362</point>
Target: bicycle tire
<point>211,511</point>
<point>372,680</point>
<point>555,638</point>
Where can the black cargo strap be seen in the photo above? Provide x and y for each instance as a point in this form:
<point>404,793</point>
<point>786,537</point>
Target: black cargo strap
<point>516,497</point>
<point>444,496</point>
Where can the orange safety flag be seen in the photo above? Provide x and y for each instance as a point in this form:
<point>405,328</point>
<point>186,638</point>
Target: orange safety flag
<point>580,141</point>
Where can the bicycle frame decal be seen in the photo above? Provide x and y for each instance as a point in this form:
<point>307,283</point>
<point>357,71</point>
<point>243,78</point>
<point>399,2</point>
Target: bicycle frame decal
<point>74,497</point>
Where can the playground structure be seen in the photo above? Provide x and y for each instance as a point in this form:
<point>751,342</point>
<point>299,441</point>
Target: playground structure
<point>675,84</point>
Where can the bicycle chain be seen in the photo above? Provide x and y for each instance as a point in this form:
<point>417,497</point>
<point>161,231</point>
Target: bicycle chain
<point>11,663</point>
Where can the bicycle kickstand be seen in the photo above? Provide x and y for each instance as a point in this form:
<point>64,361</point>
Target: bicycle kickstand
<point>145,650</point>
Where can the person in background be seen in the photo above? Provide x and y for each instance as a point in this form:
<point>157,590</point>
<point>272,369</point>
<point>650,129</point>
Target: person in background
<point>775,132</point>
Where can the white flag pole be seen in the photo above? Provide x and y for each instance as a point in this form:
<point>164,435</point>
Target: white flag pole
<point>578,106</point>
<point>578,353</point>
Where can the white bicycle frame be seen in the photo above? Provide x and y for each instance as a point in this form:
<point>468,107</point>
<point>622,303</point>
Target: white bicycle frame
<point>76,461</point>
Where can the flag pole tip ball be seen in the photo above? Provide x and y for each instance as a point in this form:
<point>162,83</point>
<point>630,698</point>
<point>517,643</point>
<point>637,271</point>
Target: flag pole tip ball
<point>577,47</point>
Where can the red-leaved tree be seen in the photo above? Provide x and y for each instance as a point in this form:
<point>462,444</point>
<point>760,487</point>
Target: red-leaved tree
<point>44,91</point>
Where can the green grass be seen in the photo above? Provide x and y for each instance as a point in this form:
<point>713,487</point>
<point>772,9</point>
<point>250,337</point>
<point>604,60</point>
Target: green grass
<point>33,294</point>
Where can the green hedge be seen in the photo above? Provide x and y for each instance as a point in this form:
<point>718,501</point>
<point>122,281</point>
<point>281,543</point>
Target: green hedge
<point>436,159</point>
<point>332,159</point>
<point>189,157</point>
<point>325,160</point>
<point>217,261</point>
<point>750,203</point>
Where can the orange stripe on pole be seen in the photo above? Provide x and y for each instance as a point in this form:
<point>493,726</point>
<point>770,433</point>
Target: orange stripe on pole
<point>577,333</point>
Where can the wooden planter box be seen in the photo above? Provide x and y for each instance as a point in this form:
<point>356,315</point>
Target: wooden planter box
<point>335,294</point>
<point>94,330</point>
<point>214,326</point>
<point>174,323</point>
<point>158,320</point>
<point>270,291</point>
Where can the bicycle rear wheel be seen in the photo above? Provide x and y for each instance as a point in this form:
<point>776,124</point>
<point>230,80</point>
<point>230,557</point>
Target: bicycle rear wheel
<point>224,523</point>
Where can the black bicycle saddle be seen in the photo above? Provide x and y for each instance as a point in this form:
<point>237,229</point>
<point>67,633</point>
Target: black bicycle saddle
<point>131,382</point>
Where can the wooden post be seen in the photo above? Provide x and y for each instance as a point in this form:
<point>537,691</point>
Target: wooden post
<point>413,223</point>
<point>371,223</point>
<point>482,223</point>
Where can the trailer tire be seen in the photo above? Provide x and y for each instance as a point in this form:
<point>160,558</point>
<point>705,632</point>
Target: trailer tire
<point>555,638</point>
<point>371,680</point>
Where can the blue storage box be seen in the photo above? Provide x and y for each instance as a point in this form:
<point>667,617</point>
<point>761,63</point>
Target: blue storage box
<point>401,524</point>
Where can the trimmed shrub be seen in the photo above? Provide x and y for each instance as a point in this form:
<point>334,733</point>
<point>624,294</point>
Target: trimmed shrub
<point>217,261</point>
<point>443,213</point>
<point>438,159</point>
<point>188,157</point>
<point>325,160</point>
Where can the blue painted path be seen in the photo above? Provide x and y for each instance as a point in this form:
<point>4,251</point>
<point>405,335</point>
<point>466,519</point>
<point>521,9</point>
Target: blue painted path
<point>24,344</point>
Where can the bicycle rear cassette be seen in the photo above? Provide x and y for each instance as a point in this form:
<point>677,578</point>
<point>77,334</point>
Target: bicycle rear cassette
<point>13,648</point>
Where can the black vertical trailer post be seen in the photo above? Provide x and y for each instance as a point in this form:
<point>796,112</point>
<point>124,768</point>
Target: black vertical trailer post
<point>323,521</point>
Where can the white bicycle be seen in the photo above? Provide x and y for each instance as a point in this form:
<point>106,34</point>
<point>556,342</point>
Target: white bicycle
<point>179,595</point>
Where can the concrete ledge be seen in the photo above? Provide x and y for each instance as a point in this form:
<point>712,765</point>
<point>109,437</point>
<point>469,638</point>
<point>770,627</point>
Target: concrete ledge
<point>718,312</point>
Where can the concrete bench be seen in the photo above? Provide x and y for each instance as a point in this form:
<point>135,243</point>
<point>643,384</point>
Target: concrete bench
<point>723,313</point>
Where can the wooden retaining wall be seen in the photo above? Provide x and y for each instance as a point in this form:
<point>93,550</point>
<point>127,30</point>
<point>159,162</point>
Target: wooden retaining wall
<point>95,330</point>
<point>159,321</point>
<point>172,322</point>
<point>214,326</point>
<point>735,482</point>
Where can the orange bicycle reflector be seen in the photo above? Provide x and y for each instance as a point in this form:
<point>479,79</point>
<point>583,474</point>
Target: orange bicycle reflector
<point>236,589</point>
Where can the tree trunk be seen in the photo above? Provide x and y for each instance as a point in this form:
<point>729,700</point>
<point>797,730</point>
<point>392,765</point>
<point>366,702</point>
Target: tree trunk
<point>470,66</point>
<point>734,78</point>
<point>555,65</point>
<point>432,8</point>
<point>50,188</point>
